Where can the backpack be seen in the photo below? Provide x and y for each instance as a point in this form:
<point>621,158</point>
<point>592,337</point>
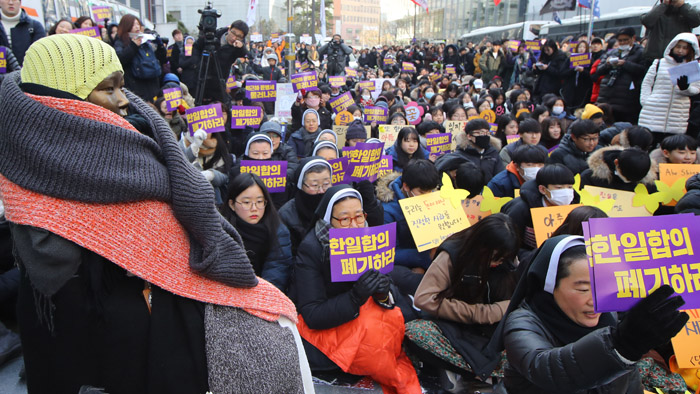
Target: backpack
<point>145,64</point>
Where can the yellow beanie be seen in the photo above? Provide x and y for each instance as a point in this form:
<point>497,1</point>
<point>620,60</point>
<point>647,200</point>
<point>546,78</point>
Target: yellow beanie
<point>69,62</point>
<point>590,110</point>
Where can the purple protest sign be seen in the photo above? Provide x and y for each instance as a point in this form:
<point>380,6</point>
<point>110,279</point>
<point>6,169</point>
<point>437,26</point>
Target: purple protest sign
<point>364,161</point>
<point>355,250</point>
<point>189,42</point>
<point>386,165</point>
<point>631,257</point>
<point>376,114</point>
<point>342,102</point>
<point>439,144</point>
<point>261,90</point>
<point>93,32</point>
<point>369,85</point>
<point>450,69</point>
<point>230,82</point>
<point>408,67</point>
<point>273,173</point>
<point>100,13</point>
<point>207,117</point>
<point>3,60</point>
<point>173,98</point>
<point>339,166</point>
<point>306,80</point>
<point>336,81</point>
<point>246,116</point>
<point>579,60</point>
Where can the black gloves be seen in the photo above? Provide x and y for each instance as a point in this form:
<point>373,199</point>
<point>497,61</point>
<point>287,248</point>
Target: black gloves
<point>365,286</point>
<point>683,82</point>
<point>650,323</point>
<point>366,189</point>
<point>382,295</point>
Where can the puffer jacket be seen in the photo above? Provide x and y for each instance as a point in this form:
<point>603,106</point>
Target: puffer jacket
<point>389,193</point>
<point>601,172</point>
<point>491,66</point>
<point>488,160</point>
<point>539,364</point>
<point>623,95</point>
<point>690,202</point>
<point>506,181</point>
<point>23,35</point>
<point>665,107</point>
<point>569,155</point>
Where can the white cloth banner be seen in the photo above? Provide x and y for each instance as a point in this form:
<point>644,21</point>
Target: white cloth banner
<point>251,12</point>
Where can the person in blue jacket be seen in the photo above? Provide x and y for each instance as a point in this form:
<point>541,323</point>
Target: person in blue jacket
<point>419,177</point>
<point>406,147</point>
<point>265,239</point>
<point>527,161</point>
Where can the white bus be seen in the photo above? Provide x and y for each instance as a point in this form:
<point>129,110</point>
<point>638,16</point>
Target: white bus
<point>608,23</point>
<point>517,31</point>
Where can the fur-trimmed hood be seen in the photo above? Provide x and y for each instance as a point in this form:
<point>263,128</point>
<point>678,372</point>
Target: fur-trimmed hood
<point>602,170</point>
<point>385,191</point>
<point>463,142</point>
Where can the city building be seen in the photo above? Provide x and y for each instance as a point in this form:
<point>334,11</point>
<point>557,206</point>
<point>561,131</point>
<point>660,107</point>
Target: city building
<point>231,10</point>
<point>357,21</point>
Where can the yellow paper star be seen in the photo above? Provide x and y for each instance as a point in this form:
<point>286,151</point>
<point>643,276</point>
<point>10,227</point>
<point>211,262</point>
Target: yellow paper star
<point>643,198</point>
<point>492,203</point>
<point>668,194</point>
<point>577,183</point>
<point>448,192</point>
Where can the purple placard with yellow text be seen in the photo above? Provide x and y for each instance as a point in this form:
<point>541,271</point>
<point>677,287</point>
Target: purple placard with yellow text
<point>189,42</point>
<point>307,81</point>
<point>173,98</point>
<point>341,102</point>
<point>439,144</point>
<point>93,32</point>
<point>376,114</point>
<point>261,90</point>
<point>364,161</point>
<point>242,117</point>
<point>579,60</point>
<point>631,257</point>
<point>3,60</point>
<point>512,45</point>
<point>386,165</point>
<point>339,166</point>
<point>408,67</point>
<point>450,69</point>
<point>100,13</point>
<point>350,72</point>
<point>206,117</point>
<point>230,82</point>
<point>354,251</point>
<point>273,173</point>
<point>369,85</point>
<point>336,81</point>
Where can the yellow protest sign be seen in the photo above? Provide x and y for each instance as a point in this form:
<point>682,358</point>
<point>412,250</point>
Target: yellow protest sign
<point>341,132</point>
<point>670,175</point>
<point>686,344</point>
<point>432,219</point>
<point>488,116</point>
<point>472,208</point>
<point>546,220</point>
<point>492,203</point>
<point>388,133</point>
<point>622,206</point>
<point>456,128</point>
<point>343,118</point>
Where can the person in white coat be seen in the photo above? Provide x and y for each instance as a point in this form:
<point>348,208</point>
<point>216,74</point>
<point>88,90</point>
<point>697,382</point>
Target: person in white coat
<point>666,103</point>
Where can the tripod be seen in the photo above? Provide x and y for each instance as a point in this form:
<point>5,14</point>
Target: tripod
<point>208,54</point>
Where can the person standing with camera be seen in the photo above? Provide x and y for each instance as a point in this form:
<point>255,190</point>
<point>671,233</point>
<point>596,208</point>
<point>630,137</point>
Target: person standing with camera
<point>335,52</point>
<point>664,22</point>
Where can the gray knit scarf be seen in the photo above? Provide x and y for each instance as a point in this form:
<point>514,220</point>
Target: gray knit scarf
<point>323,234</point>
<point>69,157</point>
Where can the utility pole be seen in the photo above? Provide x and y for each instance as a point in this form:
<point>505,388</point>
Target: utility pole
<point>313,20</point>
<point>415,12</point>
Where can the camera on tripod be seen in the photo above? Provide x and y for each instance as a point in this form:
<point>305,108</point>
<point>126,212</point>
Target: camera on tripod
<point>207,23</point>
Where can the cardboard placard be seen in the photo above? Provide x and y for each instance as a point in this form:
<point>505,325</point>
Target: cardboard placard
<point>431,219</point>
<point>669,174</point>
<point>356,250</point>
<point>388,133</point>
<point>456,128</point>
<point>273,173</point>
<point>261,90</point>
<point>242,117</point>
<point>285,99</point>
<point>206,117</point>
<point>472,208</point>
<point>622,207</point>
<point>546,220</point>
<point>686,344</point>
<point>173,98</point>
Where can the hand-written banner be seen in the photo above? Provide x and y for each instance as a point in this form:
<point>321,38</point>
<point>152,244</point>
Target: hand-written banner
<point>342,131</point>
<point>364,161</point>
<point>450,69</point>
<point>669,174</point>
<point>356,250</point>
<point>388,133</point>
<point>432,219</point>
<point>341,102</point>
<point>456,128</point>
<point>386,165</point>
<point>632,257</point>
<point>93,32</point>
<point>3,60</point>
<point>686,344</point>
<point>206,117</point>
<point>376,114</point>
<point>472,208</point>
<point>439,144</point>
<point>273,173</point>
<point>408,67</point>
<point>173,98</point>
<point>546,220</point>
<point>351,72</point>
<point>336,81</point>
<point>307,81</point>
<point>580,60</point>
<point>623,206</point>
<point>339,166</point>
<point>261,90</point>
<point>246,116</point>
<point>369,85</point>
<point>100,13</point>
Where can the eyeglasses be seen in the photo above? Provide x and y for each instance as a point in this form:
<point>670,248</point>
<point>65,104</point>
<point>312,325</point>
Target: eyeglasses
<point>236,35</point>
<point>345,222</point>
<point>318,188</point>
<point>248,205</point>
<point>588,139</point>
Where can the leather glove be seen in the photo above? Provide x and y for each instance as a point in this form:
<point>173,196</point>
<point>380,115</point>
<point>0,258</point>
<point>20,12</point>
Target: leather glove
<point>365,286</point>
<point>197,140</point>
<point>652,322</point>
<point>383,296</point>
<point>366,189</point>
<point>209,175</point>
<point>683,82</point>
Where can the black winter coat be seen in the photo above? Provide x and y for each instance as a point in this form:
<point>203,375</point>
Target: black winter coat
<point>569,155</point>
<point>226,55</point>
<point>23,35</point>
<point>601,172</point>
<point>488,161</point>
<point>690,202</point>
<point>539,364</point>
<point>550,80</point>
<point>144,88</point>
<point>623,95</point>
<point>298,112</point>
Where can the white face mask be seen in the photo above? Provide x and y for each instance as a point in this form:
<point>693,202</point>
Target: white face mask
<point>557,110</point>
<point>366,97</point>
<point>561,196</point>
<point>530,173</point>
<point>625,47</point>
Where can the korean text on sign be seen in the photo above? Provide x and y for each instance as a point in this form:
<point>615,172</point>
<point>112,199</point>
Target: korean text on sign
<point>337,81</point>
<point>632,257</point>
<point>261,90</point>
<point>273,173</point>
<point>339,166</point>
<point>364,161</point>
<point>369,85</point>
<point>354,251</point>
<point>246,116</point>
<point>342,102</point>
<point>450,69</point>
<point>388,134</point>
<point>230,82</point>
<point>386,165</point>
<point>173,98</point>
<point>350,72</point>
<point>439,144</point>
<point>432,219</point>
<point>207,117</point>
<point>3,60</point>
<point>100,13</point>
<point>408,67</point>
<point>306,81</point>
<point>580,60</point>
<point>376,114</point>
<point>93,32</point>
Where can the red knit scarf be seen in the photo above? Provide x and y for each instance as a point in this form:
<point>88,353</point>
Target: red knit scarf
<point>142,237</point>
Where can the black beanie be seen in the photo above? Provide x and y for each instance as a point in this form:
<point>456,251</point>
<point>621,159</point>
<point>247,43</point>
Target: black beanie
<point>356,129</point>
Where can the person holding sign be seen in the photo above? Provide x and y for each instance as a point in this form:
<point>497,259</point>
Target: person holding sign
<point>173,118</point>
<point>266,239</point>
<point>557,343</point>
<point>466,292</point>
<point>677,149</point>
<point>63,26</point>
<point>476,147</point>
<point>333,313</point>
<point>577,85</point>
<point>690,202</point>
<point>356,133</point>
<point>209,153</point>
<point>550,69</point>
<point>406,147</point>
<point>419,177</point>
<point>666,102</point>
<point>528,160</point>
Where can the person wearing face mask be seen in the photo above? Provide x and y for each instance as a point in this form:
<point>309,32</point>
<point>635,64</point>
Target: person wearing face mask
<point>553,185</point>
<point>618,168</point>
<point>476,147</point>
<point>312,99</point>
<point>527,161</point>
<point>666,103</point>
